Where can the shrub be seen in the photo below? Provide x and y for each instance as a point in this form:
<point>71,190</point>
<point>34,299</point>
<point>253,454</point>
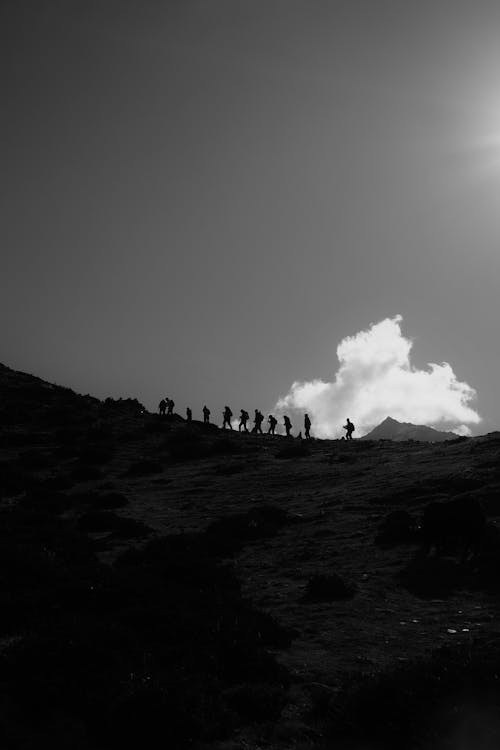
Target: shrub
<point>98,521</point>
<point>83,473</point>
<point>398,527</point>
<point>257,702</point>
<point>327,588</point>
<point>429,703</point>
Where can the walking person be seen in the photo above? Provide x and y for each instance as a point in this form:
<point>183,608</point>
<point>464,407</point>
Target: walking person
<point>226,418</point>
<point>349,428</point>
<point>244,417</point>
<point>288,425</point>
<point>272,424</point>
<point>258,419</point>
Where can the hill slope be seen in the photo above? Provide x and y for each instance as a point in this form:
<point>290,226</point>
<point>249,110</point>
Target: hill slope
<point>233,591</point>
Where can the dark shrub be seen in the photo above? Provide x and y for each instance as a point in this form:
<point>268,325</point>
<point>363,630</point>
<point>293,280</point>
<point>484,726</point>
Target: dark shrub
<point>46,500</point>
<point>433,576</point>
<point>450,700</point>
<point>55,483</point>
<point>454,526</point>
<point>326,588</point>
<point>34,459</point>
<point>490,500</point>
<point>98,521</point>
<point>257,702</point>
<point>84,473</point>
<point>124,405</point>
<point>487,562</point>
<point>13,478</point>
<point>398,528</point>
<point>150,647</point>
<point>141,719</point>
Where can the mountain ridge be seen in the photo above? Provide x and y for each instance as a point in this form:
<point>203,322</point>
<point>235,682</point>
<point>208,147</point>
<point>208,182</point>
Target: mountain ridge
<point>391,429</point>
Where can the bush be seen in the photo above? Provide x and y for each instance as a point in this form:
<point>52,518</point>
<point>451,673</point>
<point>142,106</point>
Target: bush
<point>83,473</point>
<point>398,528</point>
<point>13,478</point>
<point>161,643</point>
<point>46,500</point>
<point>423,704</point>
<point>257,702</point>
<point>433,576</point>
<point>327,588</point>
<point>34,459</point>
<point>96,521</point>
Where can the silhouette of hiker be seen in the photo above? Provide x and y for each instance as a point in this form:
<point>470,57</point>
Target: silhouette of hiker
<point>227,414</point>
<point>272,424</point>
<point>349,428</point>
<point>206,415</point>
<point>307,426</point>
<point>170,406</point>
<point>288,425</point>
<point>162,406</point>
<point>189,415</point>
<point>258,419</point>
<point>244,417</point>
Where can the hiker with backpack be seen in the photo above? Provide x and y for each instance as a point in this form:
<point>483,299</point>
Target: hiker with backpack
<point>226,418</point>
<point>244,417</point>
<point>349,428</point>
<point>258,419</point>
<point>272,424</point>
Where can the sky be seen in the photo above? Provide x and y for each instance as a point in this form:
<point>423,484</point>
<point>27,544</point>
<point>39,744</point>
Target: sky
<point>205,198</point>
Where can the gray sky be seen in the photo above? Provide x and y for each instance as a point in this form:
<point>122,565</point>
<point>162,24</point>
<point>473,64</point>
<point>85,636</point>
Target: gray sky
<point>201,199</point>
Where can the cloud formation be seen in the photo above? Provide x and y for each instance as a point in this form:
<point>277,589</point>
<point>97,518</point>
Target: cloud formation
<point>376,379</point>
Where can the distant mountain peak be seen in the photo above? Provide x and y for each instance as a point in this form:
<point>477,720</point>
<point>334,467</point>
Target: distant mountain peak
<point>391,429</point>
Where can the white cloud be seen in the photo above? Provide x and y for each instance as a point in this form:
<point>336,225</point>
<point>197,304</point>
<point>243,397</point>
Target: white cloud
<point>375,379</point>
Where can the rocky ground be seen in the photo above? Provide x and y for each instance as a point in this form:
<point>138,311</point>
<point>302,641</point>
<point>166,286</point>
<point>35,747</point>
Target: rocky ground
<point>232,591</point>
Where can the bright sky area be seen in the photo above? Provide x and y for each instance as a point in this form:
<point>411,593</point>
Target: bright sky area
<point>203,198</point>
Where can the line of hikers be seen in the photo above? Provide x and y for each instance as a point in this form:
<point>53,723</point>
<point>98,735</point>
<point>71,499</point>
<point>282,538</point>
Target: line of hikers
<point>166,407</point>
<point>257,422</point>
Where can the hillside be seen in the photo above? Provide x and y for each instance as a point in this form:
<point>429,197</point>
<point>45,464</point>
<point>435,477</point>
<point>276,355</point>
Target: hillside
<point>231,591</point>
<point>391,429</point>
